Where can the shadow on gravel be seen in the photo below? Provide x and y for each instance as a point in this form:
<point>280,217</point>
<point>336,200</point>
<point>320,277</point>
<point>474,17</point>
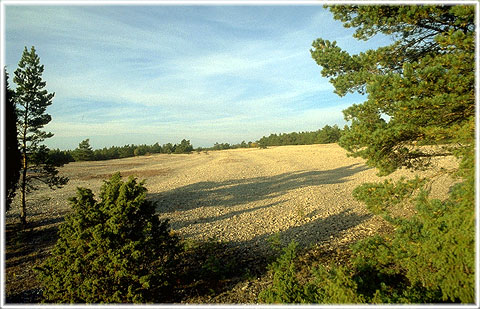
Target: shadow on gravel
<point>240,191</point>
<point>30,296</point>
<point>26,248</point>
<point>32,243</point>
<point>313,232</point>
<point>225,216</point>
<point>214,267</point>
<point>306,235</point>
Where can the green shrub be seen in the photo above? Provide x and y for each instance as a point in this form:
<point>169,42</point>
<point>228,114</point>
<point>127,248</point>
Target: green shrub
<point>428,259</point>
<point>209,260</point>
<point>441,254</point>
<point>115,250</point>
<point>285,287</point>
<point>333,286</point>
<point>418,94</point>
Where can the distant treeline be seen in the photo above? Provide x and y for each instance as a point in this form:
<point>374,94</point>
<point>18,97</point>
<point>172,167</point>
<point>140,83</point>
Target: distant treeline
<point>84,151</point>
<point>326,135</point>
<point>223,146</point>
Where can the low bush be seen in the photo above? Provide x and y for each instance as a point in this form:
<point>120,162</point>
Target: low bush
<point>285,287</point>
<point>428,259</point>
<point>115,250</point>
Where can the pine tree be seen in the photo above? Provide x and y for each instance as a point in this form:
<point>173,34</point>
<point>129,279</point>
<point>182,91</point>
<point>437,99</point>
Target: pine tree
<point>84,151</point>
<point>184,147</point>
<point>32,100</point>
<point>420,88</point>
<point>12,151</point>
<point>420,105</point>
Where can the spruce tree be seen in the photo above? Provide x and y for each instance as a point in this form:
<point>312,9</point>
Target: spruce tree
<point>12,151</point>
<point>32,100</point>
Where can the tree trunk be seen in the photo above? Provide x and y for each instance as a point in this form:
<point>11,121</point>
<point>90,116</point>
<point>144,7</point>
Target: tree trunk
<point>23,211</point>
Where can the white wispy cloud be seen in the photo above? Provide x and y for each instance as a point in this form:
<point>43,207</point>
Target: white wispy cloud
<point>205,73</point>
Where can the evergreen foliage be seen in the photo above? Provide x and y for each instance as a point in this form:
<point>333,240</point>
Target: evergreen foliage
<point>168,148</point>
<point>84,151</point>
<point>115,250</point>
<point>328,134</point>
<point>429,259</point>
<point>286,287</point>
<point>420,92</point>
<point>220,146</point>
<point>60,157</point>
<point>420,105</point>
<point>184,147</point>
<point>32,100</point>
<point>224,146</point>
<point>420,88</point>
<point>13,157</point>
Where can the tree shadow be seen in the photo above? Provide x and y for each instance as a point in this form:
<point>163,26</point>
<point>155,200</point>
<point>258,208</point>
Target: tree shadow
<point>31,243</point>
<point>240,191</point>
<point>219,266</point>
<point>232,262</point>
<point>30,296</point>
<point>310,233</point>
<point>231,214</point>
<point>228,263</point>
<point>306,235</point>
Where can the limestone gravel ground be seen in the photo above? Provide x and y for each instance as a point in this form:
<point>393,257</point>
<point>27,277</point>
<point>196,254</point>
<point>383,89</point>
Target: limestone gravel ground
<point>243,196</point>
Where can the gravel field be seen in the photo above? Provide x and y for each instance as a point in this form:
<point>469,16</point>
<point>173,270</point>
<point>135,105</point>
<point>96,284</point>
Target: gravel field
<point>239,197</point>
<point>242,196</point>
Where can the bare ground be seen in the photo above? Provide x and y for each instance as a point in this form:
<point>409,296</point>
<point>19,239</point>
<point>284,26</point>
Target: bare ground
<point>240,197</point>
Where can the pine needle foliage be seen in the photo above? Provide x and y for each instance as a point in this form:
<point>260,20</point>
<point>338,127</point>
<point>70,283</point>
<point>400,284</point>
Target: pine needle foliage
<point>32,101</point>
<point>83,152</point>
<point>115,250</point>
<point>420,106</point>
<point>421,88</point>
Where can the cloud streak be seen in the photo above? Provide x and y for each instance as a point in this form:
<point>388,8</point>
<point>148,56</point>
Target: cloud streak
<point>162,73</point>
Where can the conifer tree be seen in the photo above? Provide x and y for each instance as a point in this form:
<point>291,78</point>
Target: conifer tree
<point>420,88</point>
<point>12,151</point>
<point>32,100</point>
<point>420,105</point>
<point>184,147</point>
<point>84,151</point>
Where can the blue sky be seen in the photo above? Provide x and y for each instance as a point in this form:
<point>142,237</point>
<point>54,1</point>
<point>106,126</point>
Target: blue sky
<point>160,73</point>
